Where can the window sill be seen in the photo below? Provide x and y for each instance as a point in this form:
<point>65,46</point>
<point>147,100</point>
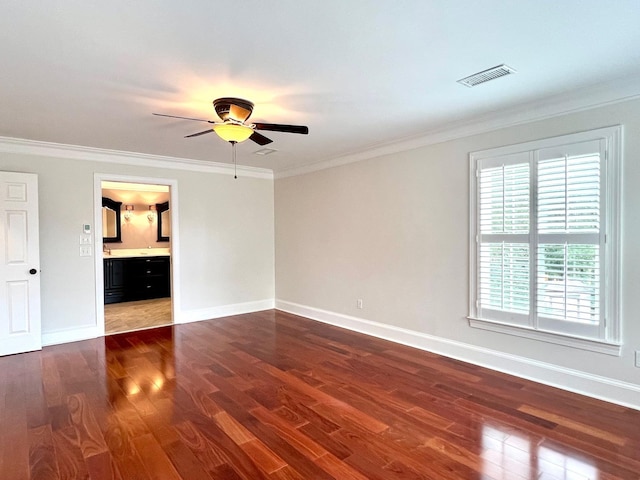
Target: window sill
<point>608,348</point>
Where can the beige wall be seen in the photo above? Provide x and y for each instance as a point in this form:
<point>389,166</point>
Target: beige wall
<point>138,232</point>
<point>393,231</point>
<point>226,236</point>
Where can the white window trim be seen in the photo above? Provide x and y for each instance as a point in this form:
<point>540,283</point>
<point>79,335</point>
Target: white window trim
<point>609,348</point>
<point>611,344</point>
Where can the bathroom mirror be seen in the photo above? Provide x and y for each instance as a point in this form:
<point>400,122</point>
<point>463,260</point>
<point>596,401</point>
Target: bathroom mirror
<point>164,221</point>
<point>111,229</point>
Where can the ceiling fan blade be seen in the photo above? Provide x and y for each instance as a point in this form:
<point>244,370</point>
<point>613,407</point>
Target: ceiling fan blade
<point>277,127</point>
<point>183,118</point>
<point>260,139</point>
<point>199,133</point>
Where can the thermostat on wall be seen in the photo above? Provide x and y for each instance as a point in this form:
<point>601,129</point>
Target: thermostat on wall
<point>86,228</point>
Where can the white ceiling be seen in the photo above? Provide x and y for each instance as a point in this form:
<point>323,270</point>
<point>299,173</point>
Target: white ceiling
<point>359,73</point>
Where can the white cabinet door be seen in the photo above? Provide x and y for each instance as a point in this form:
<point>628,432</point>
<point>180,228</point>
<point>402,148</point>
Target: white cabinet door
<point>20,329</point>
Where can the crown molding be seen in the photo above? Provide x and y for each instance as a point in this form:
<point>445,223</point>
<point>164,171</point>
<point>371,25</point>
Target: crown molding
<point>77,152</point>
<point>587,98</point>
<point>595,96</point>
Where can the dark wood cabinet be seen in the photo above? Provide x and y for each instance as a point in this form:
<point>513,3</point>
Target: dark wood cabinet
<point>114,280</point>
<point>137,278</point>
<point>147,277</point>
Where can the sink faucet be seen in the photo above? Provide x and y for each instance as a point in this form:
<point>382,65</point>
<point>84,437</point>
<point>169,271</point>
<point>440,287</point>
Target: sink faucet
<point>106,249</point>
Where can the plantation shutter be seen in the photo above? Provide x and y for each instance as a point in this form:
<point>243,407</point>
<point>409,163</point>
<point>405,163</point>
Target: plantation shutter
<point>570,243</point>
<point>545,235</point>
<point>503,242</point>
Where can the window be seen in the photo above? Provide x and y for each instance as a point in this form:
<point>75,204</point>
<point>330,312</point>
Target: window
<point>544,235</point>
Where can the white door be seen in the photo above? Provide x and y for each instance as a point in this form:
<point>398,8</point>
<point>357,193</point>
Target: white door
<point>19,264</point>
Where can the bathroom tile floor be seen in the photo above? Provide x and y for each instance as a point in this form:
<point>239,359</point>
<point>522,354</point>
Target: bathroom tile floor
<point>128,316</point>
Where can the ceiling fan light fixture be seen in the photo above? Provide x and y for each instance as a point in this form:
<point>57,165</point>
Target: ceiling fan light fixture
<point>231,132</point>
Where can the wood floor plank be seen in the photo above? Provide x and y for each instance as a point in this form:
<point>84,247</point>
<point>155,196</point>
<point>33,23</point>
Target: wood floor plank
<point>42,458</point>
<point>185,462</point>
<point>573,426</point>
<point>155,459</point>
<point>14,440</point>
<point>103,467</point>
<point>271,395</point>
<point>71,464</point>
<point>234,430</point>
<point>303,444</point>
<point>301,464</point>
<point>334,407</point>
<point>338,469</point>
<point>54,393</point>
<point>326,441</point>
<point>208,454</point>
<point>263,456</point>
<point>88,433</point>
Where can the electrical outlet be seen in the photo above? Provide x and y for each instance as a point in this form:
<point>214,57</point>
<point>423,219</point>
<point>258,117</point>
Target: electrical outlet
<point>637,358</point>
<point>359,303</point>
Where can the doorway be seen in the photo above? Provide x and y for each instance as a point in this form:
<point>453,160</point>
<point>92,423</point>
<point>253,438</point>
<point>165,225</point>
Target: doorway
<point>136,252</point>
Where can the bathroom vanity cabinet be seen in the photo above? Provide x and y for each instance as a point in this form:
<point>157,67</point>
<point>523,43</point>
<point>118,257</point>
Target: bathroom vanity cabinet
<point>114,280</point>
<point>136,278</point>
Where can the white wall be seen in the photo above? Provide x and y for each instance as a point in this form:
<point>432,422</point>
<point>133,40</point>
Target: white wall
<point>393,231</point>
<point>226,238</point>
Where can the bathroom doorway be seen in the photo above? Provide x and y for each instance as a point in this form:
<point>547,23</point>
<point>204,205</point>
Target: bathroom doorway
<point>136,238</point>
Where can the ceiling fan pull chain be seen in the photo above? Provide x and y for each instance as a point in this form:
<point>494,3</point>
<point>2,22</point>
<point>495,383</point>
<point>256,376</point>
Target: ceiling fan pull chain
<point>235,165</point>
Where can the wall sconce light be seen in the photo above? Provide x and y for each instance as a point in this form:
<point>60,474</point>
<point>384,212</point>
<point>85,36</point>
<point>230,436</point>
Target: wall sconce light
<point>152,213</point>
<point>127,212</point>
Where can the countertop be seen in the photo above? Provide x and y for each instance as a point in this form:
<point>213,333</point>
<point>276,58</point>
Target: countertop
<point>136,252</point>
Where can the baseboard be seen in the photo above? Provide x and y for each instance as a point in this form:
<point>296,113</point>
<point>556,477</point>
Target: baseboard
<point>603,388</point>
<point>70,335</point>
<point>89,332</point>
<point>188,316</point>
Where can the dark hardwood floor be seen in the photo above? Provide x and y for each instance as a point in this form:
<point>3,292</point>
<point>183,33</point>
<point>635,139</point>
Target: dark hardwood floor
<point>275,396</point>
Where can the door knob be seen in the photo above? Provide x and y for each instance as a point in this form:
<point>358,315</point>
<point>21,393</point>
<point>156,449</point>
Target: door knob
<point>33,271</point>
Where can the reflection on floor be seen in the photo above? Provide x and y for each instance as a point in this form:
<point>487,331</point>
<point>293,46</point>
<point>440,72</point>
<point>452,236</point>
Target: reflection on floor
<point>127,316</point>
<point>272,396</point>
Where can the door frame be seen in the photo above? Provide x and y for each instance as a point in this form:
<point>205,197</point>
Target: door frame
<point>98,243</point>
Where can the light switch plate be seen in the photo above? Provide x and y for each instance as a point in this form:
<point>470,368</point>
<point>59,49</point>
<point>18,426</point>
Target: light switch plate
<point>85,251</point>
<point>85,239</point>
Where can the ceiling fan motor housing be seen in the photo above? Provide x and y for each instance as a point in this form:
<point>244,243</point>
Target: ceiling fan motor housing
<point>233,109</point>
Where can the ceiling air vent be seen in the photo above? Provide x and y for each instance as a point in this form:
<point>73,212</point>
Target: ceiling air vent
<point>265,151</point>
<point>487,75</point>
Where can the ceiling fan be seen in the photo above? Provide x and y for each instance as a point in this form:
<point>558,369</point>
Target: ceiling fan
<point>234,113</point>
